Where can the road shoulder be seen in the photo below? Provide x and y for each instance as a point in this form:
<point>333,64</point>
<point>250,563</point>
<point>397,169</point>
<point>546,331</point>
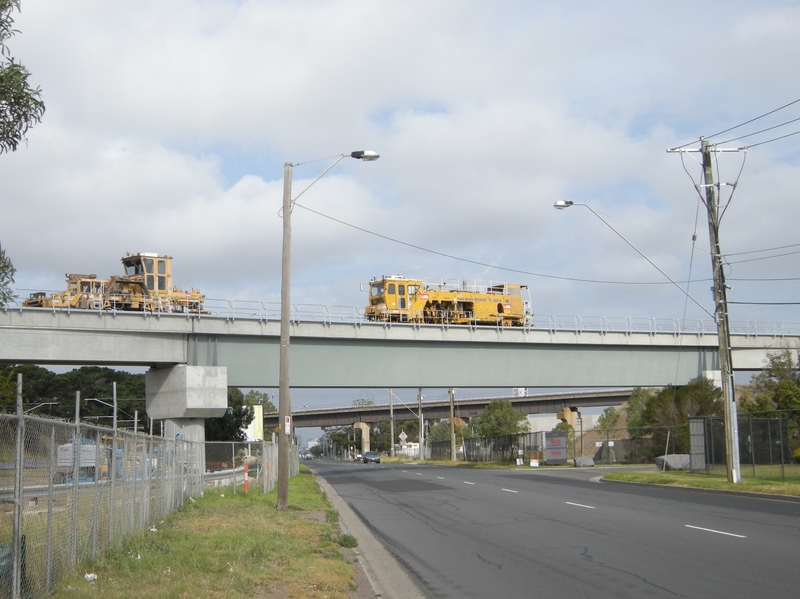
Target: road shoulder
<point>387,577</point>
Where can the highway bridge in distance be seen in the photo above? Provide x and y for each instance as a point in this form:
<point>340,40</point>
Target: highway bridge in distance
<point>549,403</point>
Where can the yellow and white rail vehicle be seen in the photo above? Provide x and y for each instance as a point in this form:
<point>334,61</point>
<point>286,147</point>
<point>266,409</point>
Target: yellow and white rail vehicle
<point>393,298</point>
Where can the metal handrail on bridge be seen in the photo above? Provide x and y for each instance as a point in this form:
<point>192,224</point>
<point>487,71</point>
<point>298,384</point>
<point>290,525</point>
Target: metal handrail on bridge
<point>240,309</point>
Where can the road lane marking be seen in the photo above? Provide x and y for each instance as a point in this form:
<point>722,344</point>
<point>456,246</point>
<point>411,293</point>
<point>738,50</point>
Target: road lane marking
<point>405,470</point>
<point>719,532</point>
<point>440,477</point>
<point>468,483</point>
<point>588,507</point>
<point>510,491</point>
<point>418,473</point>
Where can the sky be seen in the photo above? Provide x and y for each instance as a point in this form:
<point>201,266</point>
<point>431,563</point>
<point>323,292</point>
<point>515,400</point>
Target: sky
<point>168,125</point>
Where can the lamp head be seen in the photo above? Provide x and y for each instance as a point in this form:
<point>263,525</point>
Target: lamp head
<point>365,155</point>
<point>561,204</point>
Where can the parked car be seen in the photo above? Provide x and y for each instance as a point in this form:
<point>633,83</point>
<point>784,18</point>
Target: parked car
<point>372,456</point>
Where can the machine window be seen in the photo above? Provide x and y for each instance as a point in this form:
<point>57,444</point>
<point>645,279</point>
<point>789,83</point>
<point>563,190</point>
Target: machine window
<point>162,267</point>
<point>391,289</point>
<point>162,286</point>
<point>377,289</point>
<point>150,282</point>
<point>401,289</point>
<point>148,264</point>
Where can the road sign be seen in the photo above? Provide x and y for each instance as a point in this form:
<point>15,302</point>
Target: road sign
<point>403,436</point>
<point>288,425</point>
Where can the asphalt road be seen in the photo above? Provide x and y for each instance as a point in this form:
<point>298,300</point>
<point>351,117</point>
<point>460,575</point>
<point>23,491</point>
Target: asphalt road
<point>541,533</point>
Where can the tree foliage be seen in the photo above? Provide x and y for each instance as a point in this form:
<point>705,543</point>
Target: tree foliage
<point>441,432</point>
<point>21,105</point>
<point>42,386</point>
<point>7,271</point>
<point>255,398</point>
<point>777,387</point>
<point>634,410</point>
<point>500,418</point>
<point>609,418</point>
<point>231,426</point>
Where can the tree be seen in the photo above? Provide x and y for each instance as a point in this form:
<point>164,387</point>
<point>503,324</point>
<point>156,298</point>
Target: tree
<point>609,418</point>
<point>7,271</point>
<point>564,426</point>
<point>634,410</point>
<point>21,106</point>
<point>255,398</point>
<point>231,426</point>
<point>671,408</point>
<point>500,418</point>
<point>777,386</point>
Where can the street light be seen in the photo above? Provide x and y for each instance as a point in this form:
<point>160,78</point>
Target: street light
<point>563,204</point>
<point>720,317</point>
<point>284,400</point>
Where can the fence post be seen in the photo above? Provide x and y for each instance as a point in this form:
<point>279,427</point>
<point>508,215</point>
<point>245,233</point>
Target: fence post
<point>96,500</point>
<point>113,466</point>
<point>76,473</point>
<point>752,444</point>
<point>233,466</point>
<point>780,437</point>
<point>49,538</point>
<point>16,543</point>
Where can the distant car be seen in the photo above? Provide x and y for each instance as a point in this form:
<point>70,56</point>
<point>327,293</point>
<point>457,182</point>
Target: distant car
<point>372,456</point>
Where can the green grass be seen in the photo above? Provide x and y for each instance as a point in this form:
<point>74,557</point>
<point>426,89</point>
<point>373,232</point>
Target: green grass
<point>715,480</point>
<point>230,546</point>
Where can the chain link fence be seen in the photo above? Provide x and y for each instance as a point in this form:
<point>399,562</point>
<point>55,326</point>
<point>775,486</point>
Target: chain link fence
<point>604,446</point>
<point>234,464</point>
<point>769,444</point>
<point>70,491</point>
<point>73,490</point>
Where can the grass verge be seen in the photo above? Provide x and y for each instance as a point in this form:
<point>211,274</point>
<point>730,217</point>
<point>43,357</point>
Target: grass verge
<point>775,486</point>
<point>229,546</point>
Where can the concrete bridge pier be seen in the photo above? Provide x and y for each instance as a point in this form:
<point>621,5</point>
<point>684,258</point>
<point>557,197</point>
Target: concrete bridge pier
<point>184,396</point>
<point>364,436</point>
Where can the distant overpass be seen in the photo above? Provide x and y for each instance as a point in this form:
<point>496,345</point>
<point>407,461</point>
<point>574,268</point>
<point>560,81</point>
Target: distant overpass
<point>549,403</point>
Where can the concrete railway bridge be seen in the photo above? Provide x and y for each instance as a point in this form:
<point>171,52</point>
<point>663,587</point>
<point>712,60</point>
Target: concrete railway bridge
<point>193,359</point>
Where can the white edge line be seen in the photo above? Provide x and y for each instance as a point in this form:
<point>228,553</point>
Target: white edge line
<point>440,477</point>
<point>467,483</point>
<point>588,507</point>
<point>510,491</point>
<point>719,532</point>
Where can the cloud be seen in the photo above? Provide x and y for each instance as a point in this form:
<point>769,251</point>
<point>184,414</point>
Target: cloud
<point>168,125</point>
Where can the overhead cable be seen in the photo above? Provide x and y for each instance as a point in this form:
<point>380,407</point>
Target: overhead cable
<point>743,124</point>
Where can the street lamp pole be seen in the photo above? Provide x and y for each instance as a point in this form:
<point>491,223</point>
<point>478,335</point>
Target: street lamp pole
<point>284,399</point>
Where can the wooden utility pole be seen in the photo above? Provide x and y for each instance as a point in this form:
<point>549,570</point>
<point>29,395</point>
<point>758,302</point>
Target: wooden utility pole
<point>421,427</point>
<point>391,421</point>
<point>452,425</point>
<point>721,315</point>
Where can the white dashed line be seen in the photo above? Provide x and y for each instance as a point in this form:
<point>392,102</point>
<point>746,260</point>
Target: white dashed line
<point>440,477</point>
<point>588,507</point>
<point>719,532</point>
<point>468,483</point>
<point>418,474</point>
<point>510,491</point>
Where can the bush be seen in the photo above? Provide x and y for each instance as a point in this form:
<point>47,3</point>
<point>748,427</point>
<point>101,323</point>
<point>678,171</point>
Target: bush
<point>796,455</point>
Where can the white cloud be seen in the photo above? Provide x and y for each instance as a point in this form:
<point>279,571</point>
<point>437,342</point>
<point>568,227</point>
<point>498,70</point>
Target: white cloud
<point>167,126</point>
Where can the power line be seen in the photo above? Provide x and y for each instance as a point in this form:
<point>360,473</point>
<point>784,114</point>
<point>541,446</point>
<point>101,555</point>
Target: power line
<point>766,303</point>
<point>515,270</point>
<point>780,247</point>
<point>745,123</point>
<point>763,258</point>
<point>773,139</point>
<point>758,132</point>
